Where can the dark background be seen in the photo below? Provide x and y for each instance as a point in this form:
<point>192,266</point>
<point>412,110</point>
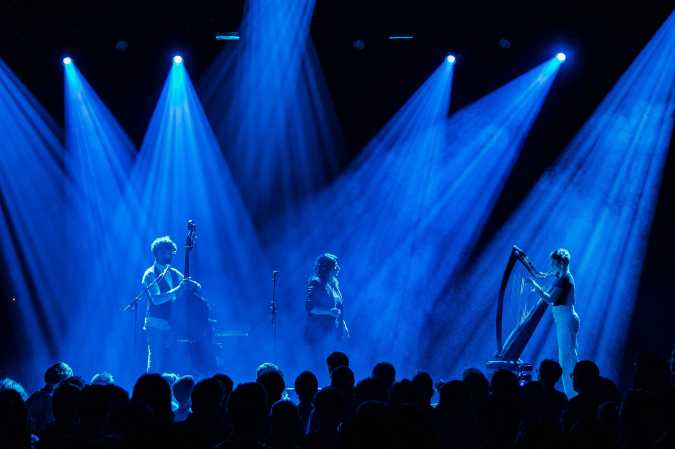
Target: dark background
<point>367,85</point>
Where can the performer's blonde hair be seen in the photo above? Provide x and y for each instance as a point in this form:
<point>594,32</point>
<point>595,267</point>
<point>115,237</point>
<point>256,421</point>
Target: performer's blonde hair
<point>561,255</point>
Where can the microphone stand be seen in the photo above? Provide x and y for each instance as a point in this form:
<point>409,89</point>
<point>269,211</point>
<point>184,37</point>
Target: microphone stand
<point>133,305</point>
<point>274,309</point>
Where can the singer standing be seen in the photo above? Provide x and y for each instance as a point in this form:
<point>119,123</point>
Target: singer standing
<point>325,325</point>
<point>163,284</point>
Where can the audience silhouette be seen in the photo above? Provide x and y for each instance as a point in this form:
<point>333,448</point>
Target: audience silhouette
<point>504,411</point>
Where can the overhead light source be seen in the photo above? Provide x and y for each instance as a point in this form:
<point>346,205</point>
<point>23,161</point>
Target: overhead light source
<point>228,36</point>
<point>67,60</point>
<point>401,37</point>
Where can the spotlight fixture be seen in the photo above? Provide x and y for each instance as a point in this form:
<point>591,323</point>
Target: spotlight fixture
<point>401,37</point>
<point>177,59</point>
<point>227,36</point>
<point>561,57</point>
<point>451,59</point>
<point>67,60</point>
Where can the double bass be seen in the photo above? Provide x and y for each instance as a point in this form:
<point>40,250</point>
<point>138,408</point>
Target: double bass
<point>190,312</point>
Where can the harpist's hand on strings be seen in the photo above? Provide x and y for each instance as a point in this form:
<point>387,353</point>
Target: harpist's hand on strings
<point>541,275</point>
<point>534,284</point>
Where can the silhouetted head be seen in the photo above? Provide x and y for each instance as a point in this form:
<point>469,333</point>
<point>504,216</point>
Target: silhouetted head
<point>226,381</point>
<point>453,396</point>
<point>504,384</point>
<point>207,398</point>
<point>155,392</point>
<point>57,373</point>
<point>476,383</point>
<point>95,402</point>
<point>402,392</point>
<point>103,378</point>
<point>370,389</point>
<point>585,376</point>
<point>342,379</point>
<point>65,404</point>
<point>248,410</point>
<point>385,373</point>
<point>14,431</point>
<point>550,372</point>
<point>424,388</point>
<point>306,386</point>
<point>285,425</point>
<point>274,384</point>
<point>336,359</point>
<point>373,426</point>
<point>182,389</point>
<point>265,367</point>
<point>11,384</point>
<point>329,407</point>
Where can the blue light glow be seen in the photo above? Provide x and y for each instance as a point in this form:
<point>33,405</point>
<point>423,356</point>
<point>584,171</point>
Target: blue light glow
<point>598,201</point>
<point>180,174</point>
<point>177,59</point>
<point>561,57</point>
<point>67,60</point>
<point>412,204</point>
<point>451,59</point>
<point>32,232</point>
<point>245,91</point>
<point>99,159</point>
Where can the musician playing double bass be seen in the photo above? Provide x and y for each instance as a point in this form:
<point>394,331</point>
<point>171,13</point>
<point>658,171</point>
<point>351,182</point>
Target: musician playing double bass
<point>164,285</point>
<point>325,325</point>
<point>562,297</point>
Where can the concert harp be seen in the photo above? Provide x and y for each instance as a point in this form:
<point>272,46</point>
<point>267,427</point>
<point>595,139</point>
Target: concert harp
<point>519,310</point>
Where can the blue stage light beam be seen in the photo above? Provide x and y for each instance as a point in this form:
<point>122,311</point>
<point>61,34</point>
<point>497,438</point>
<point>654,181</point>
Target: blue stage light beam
<point>463,182</point>
<point>413,203</point>
<point>271,80</point>
<point>180,174</point>
<point>346,213</point>
<point>32,201</point>
<point>99,160</point>
<point>598,201</point>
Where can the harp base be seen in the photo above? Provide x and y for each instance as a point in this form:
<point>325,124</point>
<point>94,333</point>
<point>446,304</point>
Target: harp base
<point>521,369</point>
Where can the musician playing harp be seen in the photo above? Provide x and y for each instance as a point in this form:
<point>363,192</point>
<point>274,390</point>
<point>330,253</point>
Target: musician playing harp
<point>562,297</point>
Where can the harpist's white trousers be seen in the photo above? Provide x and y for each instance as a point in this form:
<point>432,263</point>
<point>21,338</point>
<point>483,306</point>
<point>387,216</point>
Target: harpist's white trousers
<point>567,327</point>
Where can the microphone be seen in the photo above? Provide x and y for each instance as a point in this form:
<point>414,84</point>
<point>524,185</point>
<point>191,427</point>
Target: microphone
<point>163,273</point>
<point>274,274</point>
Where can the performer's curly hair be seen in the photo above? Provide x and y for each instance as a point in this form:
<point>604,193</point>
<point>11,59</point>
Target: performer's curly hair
<point>324,264</point>
<point>562,256</point>
<point>162,242</point>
